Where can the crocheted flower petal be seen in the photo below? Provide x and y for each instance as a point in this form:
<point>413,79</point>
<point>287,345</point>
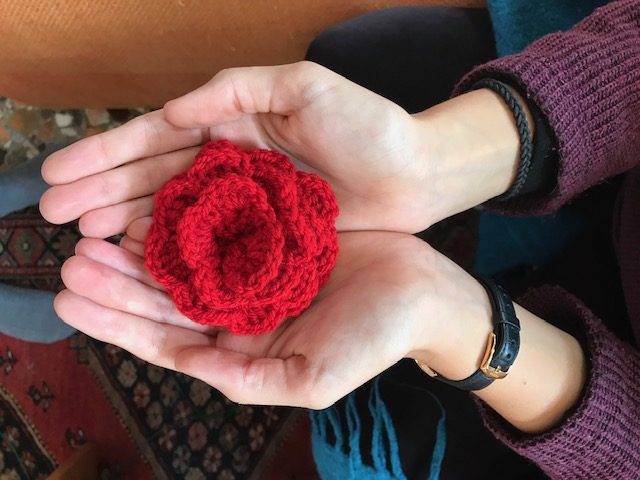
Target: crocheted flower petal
<point>233,244</point>
<point>276,175</point>
<point>166,267</point>
<point>205,315</point>
<point>176,195</point>
<point>260,319</point>
<point>194,235</point>
<point>315,237</point>
<point>279,162</point>
<point>160,244</point>
<point>316,194</point>
<point>310,248</point>
<point>302,294</point>
<point>321,209</point>
<point>185,298</point>
<point>218,159</point>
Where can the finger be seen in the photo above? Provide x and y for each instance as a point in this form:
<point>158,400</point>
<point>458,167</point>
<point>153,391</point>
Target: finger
<point>63,203</point>
<point>258,381</point>
<point>108,221</point>
<point>137,248</point>
<point>144,136</point>
<point>151,341</point>
<point>110,288</point>
<point>118,258</point>
<point>139,229</point>
<point>237,91</point>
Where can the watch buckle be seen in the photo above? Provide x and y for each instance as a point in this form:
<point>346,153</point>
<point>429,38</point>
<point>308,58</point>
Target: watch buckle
<point>485,366</point>
<point>426,369</point>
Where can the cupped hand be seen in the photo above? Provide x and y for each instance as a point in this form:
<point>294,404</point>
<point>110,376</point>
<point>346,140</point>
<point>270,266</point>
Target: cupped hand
<point>380,300</point>
<point>367,147</point>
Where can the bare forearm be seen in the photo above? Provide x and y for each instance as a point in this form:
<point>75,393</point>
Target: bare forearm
<point>546,379</point>
<point>472,142</point>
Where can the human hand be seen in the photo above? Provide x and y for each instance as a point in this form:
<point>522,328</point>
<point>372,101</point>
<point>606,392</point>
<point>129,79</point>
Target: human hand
<point>364,145</point>
<point>389,170</point>
<point>381,298</point>
<point>390,296</point>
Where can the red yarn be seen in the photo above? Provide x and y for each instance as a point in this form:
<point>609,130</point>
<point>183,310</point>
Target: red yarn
<point>242,239</point>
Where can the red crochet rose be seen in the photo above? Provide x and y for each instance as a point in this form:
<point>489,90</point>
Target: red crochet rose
<point>242,239</point>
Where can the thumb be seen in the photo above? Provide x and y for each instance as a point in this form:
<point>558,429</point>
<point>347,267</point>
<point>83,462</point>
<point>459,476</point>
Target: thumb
<point>234,92</point>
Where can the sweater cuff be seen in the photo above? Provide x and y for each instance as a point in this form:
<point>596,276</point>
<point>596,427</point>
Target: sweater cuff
<point>598,438</point>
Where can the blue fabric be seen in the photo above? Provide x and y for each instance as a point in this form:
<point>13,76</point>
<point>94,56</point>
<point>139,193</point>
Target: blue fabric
<point>24,313</point>
<point>341,459</point>
<point>517,23</point>
<point>23,185</point>
<point>505,243</point>
<point>437,456</point>
<point>28,315</point>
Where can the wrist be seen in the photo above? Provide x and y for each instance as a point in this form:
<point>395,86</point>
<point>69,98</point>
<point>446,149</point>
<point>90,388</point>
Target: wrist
<point>452,333</point>
<point>472,147</point>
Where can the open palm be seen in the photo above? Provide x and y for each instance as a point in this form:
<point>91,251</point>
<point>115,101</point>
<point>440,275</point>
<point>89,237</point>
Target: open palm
<point>363,321</point>
<point>365,146</point>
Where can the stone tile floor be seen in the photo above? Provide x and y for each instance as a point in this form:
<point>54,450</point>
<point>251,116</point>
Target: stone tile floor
<point>26,130</point>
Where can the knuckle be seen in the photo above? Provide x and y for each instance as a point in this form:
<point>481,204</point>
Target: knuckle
<point>311,81</point>
<point>164,307</point>
<point>306,68</point>
<point>104,187</point>
<point>103,149</point>
<point>252,377</point>
<point>151,134</point>
<point>224,73</point>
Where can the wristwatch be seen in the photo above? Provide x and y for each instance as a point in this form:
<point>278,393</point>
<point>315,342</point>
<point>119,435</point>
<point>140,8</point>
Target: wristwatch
<point>502,344</point>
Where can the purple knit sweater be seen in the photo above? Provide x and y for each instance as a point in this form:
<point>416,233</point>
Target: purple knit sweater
<point>587,82</point>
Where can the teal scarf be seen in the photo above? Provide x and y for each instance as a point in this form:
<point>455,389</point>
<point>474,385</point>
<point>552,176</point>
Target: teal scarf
<point>338,456</point>
<point>517,23</point>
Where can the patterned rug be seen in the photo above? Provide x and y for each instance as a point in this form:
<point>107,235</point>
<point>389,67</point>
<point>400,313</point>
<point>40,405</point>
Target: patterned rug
<point>147,422</point>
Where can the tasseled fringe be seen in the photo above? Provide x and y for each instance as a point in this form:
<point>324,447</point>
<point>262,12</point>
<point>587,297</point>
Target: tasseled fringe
<point>343,461</point>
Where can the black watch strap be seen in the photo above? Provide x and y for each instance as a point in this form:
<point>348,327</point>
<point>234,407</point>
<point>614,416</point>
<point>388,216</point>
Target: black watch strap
<point>502,345</point>
<point>477,381</point>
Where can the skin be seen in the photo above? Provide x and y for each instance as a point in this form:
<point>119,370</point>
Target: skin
<point>390,295</point>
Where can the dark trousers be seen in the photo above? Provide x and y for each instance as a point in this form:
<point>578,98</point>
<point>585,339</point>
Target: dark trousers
<point>410,55</point>
<point>414,56</point>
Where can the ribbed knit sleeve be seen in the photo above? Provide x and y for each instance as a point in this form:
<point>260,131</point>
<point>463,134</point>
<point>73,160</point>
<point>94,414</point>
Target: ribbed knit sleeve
<point>600,437</point>
<point>587,83</point>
